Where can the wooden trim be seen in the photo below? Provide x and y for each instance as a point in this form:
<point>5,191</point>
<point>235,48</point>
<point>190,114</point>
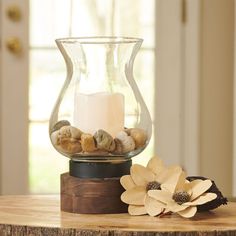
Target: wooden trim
<point>216,103</point>
<point>176,127</point>
<point>191,77</point>
<point>169,83</point>
<point>0,102</point>
<point>234,118</point>
<point>193,111</point>
<point>14,103</point>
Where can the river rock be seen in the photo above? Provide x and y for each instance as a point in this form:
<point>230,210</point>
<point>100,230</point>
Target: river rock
<point>60,124</point>
<point>104,140</point>
<point>139,136</point>
<point>55,138</point>
<point>70,145</point>
<point>88,143</point>
<point>118,149</point>
<point>70,132</point>
<point>127,142</point>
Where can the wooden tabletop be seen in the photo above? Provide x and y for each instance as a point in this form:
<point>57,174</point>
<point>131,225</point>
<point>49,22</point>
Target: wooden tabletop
<point>41,215</point>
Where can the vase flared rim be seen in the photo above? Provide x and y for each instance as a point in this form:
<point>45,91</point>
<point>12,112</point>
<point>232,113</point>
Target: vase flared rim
<point>100,40</point>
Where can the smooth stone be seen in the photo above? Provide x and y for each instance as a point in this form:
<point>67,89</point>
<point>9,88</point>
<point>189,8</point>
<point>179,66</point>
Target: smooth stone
<point>121,135</point>
<point>70,132</point>
<point>55,137</point>
<point>60,124</point>
<point>70,145</point>
<point>139,136</point>
<point>88,143</point>
<point>104,140</point>
<point>118,149</point>
<point>127,142</point>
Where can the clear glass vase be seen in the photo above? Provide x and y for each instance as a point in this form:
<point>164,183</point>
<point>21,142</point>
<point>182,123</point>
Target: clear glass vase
<point>100,114</point>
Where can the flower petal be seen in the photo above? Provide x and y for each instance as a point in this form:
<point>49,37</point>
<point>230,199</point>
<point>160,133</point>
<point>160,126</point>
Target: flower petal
<point>141,175</point>
<point>134,196</point>
<point>175,207</point>
<point>188,188</point>
<point>153,207</point>
<point>136,210</point>
<point>174,177</point>
<point>181,182</point>
<point>160,195</point>
<point>168,187</point>
<point>200,188</point>
<point>127,182</point>
<point>156,165</point>
<point>189,212</point>
<point>205,197</point>
<point>169,175</point>
<point>195,182</point>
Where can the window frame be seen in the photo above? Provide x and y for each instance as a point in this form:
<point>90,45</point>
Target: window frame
<point>14,158</point>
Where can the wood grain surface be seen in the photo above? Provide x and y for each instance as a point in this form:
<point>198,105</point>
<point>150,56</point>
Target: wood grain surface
<point>41,215</point>
<point>79,195</point>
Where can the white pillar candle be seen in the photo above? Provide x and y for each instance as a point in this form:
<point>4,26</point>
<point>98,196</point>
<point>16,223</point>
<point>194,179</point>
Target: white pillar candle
<point>99,111</point>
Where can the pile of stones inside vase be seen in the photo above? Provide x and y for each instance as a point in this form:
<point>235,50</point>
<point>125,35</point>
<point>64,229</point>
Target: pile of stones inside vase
<point>71,140</point>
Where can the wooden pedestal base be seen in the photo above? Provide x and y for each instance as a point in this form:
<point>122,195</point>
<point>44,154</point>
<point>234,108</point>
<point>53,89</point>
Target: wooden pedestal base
<point>101,196</point>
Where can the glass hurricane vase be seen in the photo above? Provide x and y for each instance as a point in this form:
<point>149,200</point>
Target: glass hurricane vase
<point>100,115</point>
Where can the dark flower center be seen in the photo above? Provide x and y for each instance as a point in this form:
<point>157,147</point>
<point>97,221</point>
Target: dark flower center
<point>181,197</point>
<point>153,185</point>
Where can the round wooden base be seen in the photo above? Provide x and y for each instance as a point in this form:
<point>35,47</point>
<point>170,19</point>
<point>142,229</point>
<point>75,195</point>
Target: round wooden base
<point>91,196</point>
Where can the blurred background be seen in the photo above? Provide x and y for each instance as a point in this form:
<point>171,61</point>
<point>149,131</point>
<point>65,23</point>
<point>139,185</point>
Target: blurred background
<point>184,69</point>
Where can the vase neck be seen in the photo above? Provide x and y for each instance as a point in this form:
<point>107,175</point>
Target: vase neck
<point>103,59</point>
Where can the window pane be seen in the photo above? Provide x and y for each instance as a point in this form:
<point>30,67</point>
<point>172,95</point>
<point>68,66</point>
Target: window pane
<point>144,75</point>
<point>91,17</point>
<point>135,18</point>
<point>46,164</point>
<point>47,73</point>
<point>51,19</point>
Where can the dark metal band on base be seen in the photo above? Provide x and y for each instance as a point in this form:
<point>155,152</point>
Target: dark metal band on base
<point>99,169</point>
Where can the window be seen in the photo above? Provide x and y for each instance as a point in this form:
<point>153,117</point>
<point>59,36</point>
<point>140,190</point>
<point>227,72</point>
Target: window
<point>51,19</point>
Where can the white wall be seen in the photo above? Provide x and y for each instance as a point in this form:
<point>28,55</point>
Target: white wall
<point>216,92</point>
<point>194,88</point>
